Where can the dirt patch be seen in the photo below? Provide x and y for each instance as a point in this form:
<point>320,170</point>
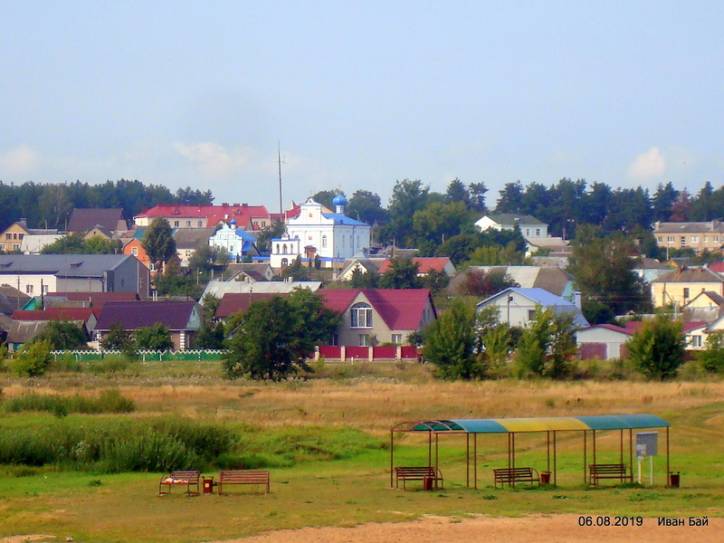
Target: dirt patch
<point>31,538</point>
<point>558,528</point>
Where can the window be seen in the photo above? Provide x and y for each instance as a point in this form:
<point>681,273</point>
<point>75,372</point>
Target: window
<point>686,292</point>
<point>188,224</point>
<point>152,266</point>
<point>527,231</point>
<point>683,241</point>
<point>537,232</point>
<point>21,236</point>
<point>175,223</point>
<point>285,262</point>
<point>696,341</point>
<point>361,315</point>
<point>669,238</point>
<point>694,239</point>
<point>397,339</point>
<point>28,289</point>
<point>45,289</point>
<point>659,239</point>
<point>364,340</point>
<point>8,236</point>
<point>199,223</point>
<point>134,251</point>
<point>531,314</point>
<point>324,241</point>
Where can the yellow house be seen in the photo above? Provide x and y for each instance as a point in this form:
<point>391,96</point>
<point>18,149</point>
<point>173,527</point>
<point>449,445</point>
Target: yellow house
<point>11,239</point>
<point>681,286</point>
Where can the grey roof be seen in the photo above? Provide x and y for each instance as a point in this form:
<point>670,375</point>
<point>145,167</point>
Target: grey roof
<point>690,275</point>
<point>509,219</point>
<point>256,270</point>
<point>688,227</point>
<point>21,331</point>
<point>545,299</point>
<point>61,265</point>
<point>11,299</point>
<point>192,238</point>
<point>84,219</point>
<point>219,288</point>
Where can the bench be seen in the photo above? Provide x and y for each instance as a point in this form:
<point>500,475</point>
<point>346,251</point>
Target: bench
<point>418,473</point>
<point>607,471</point>
<point>244,477</point>
<point>515,475</point>
<point>188,478</point>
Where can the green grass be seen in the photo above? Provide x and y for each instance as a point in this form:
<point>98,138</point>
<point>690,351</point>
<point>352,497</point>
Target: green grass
<point>109,401</point>
<point>325,443</point>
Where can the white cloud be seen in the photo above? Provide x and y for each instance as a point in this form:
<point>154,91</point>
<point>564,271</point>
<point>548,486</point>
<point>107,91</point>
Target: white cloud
<point>214,160</point>
<point>649,164</point>
<point>18,160</point>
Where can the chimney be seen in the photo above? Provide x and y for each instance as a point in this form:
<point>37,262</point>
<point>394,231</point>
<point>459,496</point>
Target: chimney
<point>577,298</point>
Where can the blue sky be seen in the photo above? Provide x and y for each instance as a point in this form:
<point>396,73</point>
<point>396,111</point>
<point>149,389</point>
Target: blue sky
<point>361,93</point>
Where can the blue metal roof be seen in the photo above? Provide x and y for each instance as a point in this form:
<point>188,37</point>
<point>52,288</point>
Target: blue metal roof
<point>340,218</point>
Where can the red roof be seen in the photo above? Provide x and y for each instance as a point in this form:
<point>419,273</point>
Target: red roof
<point>401,309</point>
<point>135,315</point>
<point>717,267</point>
<point>634,326</point>
<point>96,299</point>
<point>426,264</point>
<point>54,314</point>
<point>243,214</point>
<point>239,302</point>
<point>613,328</point>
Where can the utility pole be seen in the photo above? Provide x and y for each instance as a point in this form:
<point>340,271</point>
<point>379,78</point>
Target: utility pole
<point>279,162</point>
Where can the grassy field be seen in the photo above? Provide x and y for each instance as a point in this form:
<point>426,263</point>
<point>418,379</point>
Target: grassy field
<point>326,442</point>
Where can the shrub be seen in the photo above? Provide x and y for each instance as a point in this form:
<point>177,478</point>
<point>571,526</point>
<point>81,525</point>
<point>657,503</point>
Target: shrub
<point>712,358</point>
<point>154,338</point>
<point>657,349</point>
<point>63,336</point>
<point>109,401</point>
<point>450,343</point>
<point>32,360</point>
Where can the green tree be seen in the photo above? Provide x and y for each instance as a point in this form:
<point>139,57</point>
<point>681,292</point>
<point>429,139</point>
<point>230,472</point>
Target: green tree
<point>158,241</point>
<point>211,335</point>
<point>530,358</point>
<point>436,280</point>
<point>325,197</point>
<point>263,238</point>
<point>32,360</point>
<point>407,197</point>
<point>457,192</point>
<point>477,196</point>
<point>366,206</point>
<point>119,339</point>
<point>562,347</point>
<point>438,221</point>
<point>274,337</point>
<point>361,279</point>
<point>63,336</point>
<point>602,268</point>
<point>484,284</point>
<point>657,349</point>
<point>296,271</point>
<point>402,273</point>
<point>154,338</point>
<point>712,358</point>
<point>450,343</point>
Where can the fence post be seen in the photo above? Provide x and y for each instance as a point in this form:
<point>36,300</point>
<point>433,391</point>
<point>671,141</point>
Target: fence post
<point>342,353</point>
<point>398,352</point>
<point>370,353</point>
<point>316,353</point>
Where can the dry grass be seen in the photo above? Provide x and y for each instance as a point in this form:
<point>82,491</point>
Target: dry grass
<point>385,395</point>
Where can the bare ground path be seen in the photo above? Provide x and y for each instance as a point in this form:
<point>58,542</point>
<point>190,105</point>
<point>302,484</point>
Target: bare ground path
<point>557,528</point>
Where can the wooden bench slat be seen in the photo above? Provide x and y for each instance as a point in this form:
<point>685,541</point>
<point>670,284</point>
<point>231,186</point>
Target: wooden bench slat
<point>514,475</point>
<point>244,477</point>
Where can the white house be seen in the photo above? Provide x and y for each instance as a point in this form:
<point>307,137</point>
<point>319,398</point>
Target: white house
<point>516,306</point>
<point>236,241</point>
<point>529,226</point>
<point>602,341</point>
<point>332,237</point>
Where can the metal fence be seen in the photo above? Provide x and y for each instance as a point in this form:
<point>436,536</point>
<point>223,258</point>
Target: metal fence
<point>145,356</point>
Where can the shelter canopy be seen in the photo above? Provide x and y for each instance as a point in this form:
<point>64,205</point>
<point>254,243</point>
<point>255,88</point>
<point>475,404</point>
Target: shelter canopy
<point>535,424</point>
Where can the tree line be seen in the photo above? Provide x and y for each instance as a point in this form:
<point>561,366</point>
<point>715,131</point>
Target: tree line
<point>48,205</point>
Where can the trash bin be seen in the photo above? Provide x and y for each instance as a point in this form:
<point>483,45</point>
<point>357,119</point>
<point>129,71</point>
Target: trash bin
<point>674,479</point>
<point>208,485</point>
<point>427,483</point>
<point>545,477</point>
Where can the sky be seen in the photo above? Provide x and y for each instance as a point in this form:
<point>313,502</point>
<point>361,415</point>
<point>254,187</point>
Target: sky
<point>361,94</point>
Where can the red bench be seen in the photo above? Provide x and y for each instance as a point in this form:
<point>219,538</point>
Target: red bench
<point>244,477</point>
<point>188,478</point>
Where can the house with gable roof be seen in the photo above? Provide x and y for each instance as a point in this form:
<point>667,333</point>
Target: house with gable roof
<point>378,315</point>
<point>517,306</point>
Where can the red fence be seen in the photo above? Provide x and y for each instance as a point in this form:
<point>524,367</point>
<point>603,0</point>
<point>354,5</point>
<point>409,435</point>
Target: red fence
<point>384,352</point>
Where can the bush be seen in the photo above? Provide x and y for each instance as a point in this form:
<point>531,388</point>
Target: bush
<point>109,445</point>
<point>32,360</point>
<point>712,358</point>
<point>658,348</point>
<point>109,401</point>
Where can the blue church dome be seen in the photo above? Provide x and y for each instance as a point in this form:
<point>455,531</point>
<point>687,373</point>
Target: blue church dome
<point>339,200</point>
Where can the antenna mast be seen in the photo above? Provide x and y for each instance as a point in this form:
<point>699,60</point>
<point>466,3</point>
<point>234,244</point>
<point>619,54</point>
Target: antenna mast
<point>279,161</point>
